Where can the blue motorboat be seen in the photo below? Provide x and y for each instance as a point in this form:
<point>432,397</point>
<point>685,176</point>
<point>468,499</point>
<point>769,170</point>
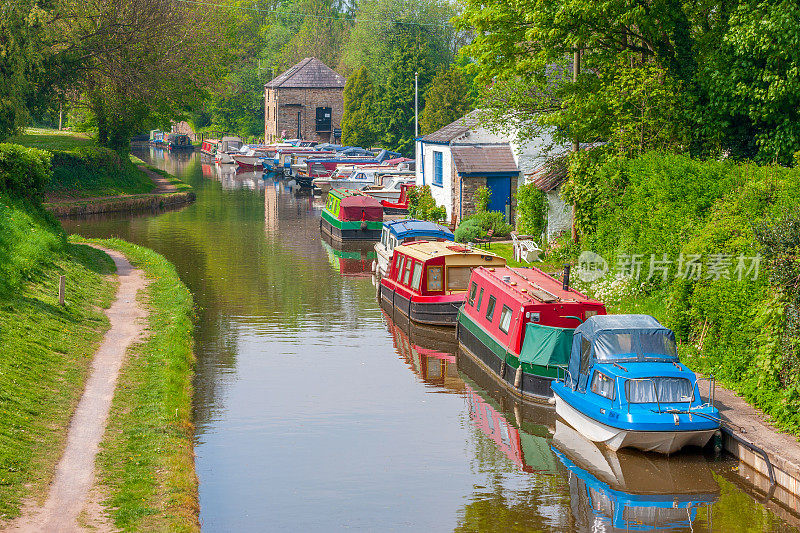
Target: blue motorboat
<point>631,491</point>
<point>399,231</point>
<point>625,387</point>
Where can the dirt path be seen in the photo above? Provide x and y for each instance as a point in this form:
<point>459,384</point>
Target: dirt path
<point>74,475</point>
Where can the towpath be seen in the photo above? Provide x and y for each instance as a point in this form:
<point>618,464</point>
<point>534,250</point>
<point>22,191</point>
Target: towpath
<point>69,493</point>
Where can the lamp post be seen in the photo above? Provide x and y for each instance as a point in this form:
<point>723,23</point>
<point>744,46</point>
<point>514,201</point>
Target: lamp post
<point>416,104</point>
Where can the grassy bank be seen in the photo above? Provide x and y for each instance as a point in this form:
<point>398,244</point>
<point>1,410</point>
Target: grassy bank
<point>146,461</point>
<point>47,350</point>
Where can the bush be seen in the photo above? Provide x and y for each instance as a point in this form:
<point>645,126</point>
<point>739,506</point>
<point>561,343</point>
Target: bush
<point>482,197</point>
<point>531,210</point>
<point>469,230</point>
<point>97,171</point>
<point>24,172</point>
<point>422,206</point>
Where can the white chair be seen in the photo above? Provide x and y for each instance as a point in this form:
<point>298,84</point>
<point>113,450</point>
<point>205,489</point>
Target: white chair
<point>525,248</point>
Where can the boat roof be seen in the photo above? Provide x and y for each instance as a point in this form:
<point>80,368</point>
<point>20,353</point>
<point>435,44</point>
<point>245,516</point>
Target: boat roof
<point>210,140</point>
<point>351,198</point>
<point>228,138</point>
<point>533,283</point>
<point>412,227</point>
<point>426,250</point>
<point>594,326</point>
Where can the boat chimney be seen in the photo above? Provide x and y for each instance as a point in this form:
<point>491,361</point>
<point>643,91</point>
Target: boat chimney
<point>507,279</point>
<point>565,278</point>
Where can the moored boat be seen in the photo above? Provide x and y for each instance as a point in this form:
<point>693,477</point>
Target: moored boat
<point>518,323</point>
<point>227,146</point>
<point>209,147</point>
<point>351,216</point>
<point>397,232</point>
<point>179,141</point>
<point>427,281</point>
<point>391,185</point>
<point>625,387</point>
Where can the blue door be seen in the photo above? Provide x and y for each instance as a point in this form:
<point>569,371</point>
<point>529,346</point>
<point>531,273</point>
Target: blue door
<point>501,193</point>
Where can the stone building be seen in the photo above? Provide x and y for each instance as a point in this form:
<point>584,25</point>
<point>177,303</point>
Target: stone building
<point>305,102</point>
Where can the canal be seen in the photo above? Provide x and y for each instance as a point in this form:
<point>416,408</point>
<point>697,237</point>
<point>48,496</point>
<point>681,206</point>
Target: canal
<point>314,411</point>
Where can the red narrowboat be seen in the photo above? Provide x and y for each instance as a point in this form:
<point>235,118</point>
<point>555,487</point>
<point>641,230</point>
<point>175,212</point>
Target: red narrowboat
<point>427,281</point>
<point>209,147</point>
<point>517,323</point>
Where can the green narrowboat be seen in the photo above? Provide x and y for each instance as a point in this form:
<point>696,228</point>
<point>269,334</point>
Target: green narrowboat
<point>352,216</point>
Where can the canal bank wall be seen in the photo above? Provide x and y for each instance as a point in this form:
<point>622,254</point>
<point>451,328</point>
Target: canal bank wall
<point>120,204</point>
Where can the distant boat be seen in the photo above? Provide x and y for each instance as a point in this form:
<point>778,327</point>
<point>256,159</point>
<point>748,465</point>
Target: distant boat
<point>398,232</point>
<point>391,185</point>
<point>427,281</point>
<point>209,147</point>
<point>625,387</point>
<point>350,215</point>
<point>517,323</point>
<point>227,146</point>
<point>179,141</point>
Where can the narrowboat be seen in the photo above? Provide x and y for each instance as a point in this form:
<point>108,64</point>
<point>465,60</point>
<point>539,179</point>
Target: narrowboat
<point>518,324</point>
<point>625,387</point>
<point>403,231</point>
<point>351,216</point>
<point>631,491</point>
<point>179,141</point>
<point>157,137</point>
<point>209,147</point>
<point>427,281</point>
<point>399,206</point>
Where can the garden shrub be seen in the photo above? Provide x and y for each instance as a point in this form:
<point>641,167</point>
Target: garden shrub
<point>24,172</point>
<point>422,206</point>
<point>469,230</point>
<point>531,210</point>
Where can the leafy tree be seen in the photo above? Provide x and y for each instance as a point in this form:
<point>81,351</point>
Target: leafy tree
<point>447,99</point>
<point>358,123</point>
<point>411,54</point>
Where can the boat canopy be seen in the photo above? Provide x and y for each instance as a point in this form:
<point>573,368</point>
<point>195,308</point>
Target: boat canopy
<point>620,338</point>
<point>546,345</point>
<point>359,207</point>
<point>403,229</point>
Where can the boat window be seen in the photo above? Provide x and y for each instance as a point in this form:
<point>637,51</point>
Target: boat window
<point>435,278</point>
<point>458,278</point>
<point>490,308</point>
<point>472,291</point>
<point>399,264</point>
<point>407,273</point>
<point>586,349</point>
<point>417,276</point>
<point>480,299</point>
<point>610,346</point>
<point>669,390</point>
<point>505,318</point>
<point>658,345</point>
<point>603,385</point>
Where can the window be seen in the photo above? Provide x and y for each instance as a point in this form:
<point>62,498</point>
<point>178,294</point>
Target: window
<point>603,385</point>
<point>458,278</point>
<point>505,318</point>
<point>610,346</point>
<point>323,122</point>
<point>417,276</point>
<point>384,238</point>
<point>480,299</point>
<point>669,390</point>
<point>399,264</point>
<point>407,273</point>
<point>435,278</point>
<point>490,308</point>
<point>472,291</point>
<point>586,349</point>
<point>437,169</point>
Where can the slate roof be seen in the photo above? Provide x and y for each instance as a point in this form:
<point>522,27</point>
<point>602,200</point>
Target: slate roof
<point>310,73</point>
<point>455,129</point>
<point>550,175</point>
<point>483,158</point>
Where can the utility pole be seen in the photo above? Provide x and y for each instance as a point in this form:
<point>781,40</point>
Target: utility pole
<point>416,105</point>
<point>576,145</point>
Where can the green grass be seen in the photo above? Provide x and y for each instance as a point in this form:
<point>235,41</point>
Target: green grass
<point>146,461</point>
<point>506,250</point>
<point>46,352</point>
<point>52,140</point>
<point>179,185</point>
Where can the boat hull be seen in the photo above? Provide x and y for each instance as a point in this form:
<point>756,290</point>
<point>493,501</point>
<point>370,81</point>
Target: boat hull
<point>339,233</point>
<point>432,313</point>
<point>533,387</point>
<point>665,442</point>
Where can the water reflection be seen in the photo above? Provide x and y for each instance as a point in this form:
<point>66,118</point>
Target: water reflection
<point>314,411</point>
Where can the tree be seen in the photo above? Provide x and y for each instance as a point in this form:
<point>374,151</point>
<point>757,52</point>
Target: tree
<point>447,99</point>
<point>359,121</point>
<point>411,53</point>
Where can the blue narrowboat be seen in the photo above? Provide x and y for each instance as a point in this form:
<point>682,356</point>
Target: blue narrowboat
<point>625,387</point>
<point>402,231</point>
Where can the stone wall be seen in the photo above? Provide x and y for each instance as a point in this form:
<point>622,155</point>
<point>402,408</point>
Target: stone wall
<point>282,105</point>
<point>464,196</point>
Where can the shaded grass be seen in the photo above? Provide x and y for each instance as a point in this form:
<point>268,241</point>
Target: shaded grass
<point>180,186</point>
<point>52,140</point>
<point>45,359</point>
<point>146,461</point>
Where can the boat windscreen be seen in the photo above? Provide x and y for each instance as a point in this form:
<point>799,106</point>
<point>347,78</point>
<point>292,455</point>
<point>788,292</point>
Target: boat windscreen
<point>646,345</point>
<point>610,346</point>
<point>663,389</point>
